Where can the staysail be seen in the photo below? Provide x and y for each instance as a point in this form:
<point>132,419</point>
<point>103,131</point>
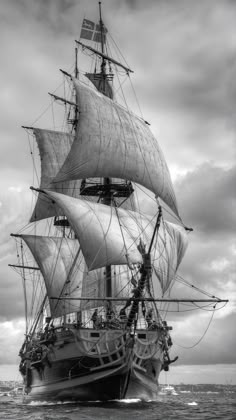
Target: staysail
<point>61,265</point>
<point>109,235</point>
<point>112,142</point>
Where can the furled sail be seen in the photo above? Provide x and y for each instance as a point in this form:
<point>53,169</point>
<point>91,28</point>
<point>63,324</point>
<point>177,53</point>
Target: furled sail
<point>113,142</point>
<point>61,265</point>
<point>110,236</point>
<point>54,147</point>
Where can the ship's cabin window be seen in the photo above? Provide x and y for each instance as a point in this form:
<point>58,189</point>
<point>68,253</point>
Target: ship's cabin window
<point>94,334</point>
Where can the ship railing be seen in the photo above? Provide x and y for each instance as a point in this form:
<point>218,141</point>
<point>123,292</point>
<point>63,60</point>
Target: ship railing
<point>109,348</point>
<point>99,341</point>
<point>146,350</point>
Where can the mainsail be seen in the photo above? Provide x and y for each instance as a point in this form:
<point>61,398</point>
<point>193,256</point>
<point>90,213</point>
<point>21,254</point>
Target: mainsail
<point>113,142</point>
<point>109,235</point>
<point>94,285</point>
<point>62,270</point>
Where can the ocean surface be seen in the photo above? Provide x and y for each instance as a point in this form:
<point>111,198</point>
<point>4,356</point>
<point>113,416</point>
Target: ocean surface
<point>190,402</point>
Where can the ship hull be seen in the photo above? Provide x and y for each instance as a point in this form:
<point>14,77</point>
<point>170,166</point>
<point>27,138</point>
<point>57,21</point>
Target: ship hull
<point>122,372</point>
<point>103,387</point>
<point>107,386</point>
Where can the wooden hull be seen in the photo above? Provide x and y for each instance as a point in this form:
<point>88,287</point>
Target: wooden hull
<point>118,368</point>
<point>109,385</point>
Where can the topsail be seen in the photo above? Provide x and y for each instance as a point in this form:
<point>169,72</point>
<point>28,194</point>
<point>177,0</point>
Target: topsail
<point>61,265</point>
<point>113,142</point>
<point>54,147</point>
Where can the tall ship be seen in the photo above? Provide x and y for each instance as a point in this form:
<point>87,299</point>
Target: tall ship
<point>98,258</point>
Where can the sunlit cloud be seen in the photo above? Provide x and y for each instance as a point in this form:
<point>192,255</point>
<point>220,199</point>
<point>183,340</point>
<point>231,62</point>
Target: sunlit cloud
<point>15,189</point>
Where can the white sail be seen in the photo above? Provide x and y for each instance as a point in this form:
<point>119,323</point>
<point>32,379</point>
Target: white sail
<point>113,142</point>
<point>94,285</point>
<point>110,236</point>
<point>62,270</point>
<point>168,254</point>
<point>54,147</point>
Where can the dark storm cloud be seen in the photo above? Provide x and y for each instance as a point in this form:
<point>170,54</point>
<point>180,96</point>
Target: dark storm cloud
<point>207,199</point>
<point>218,348</point>
<point>191,49</point>
<point>208,204</point>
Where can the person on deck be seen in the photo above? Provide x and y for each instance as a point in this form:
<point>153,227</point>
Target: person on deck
<point>123,317</point>
<point>110,314</point>
<point>94,318</point>
<point>149,317</point>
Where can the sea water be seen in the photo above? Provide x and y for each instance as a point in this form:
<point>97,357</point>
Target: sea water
<point>193,402</point>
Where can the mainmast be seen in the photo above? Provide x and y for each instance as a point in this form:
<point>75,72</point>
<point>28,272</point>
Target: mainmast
<point>106,189</point>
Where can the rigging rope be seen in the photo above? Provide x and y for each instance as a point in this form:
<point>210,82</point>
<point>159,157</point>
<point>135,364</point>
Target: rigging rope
<point>203,335</point>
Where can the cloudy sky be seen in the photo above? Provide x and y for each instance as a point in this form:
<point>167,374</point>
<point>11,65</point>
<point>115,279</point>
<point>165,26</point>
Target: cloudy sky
<point>183,53</point>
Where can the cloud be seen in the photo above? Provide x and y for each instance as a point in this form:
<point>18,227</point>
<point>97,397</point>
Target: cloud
<point>185,78</point>
<point>14,214</point>
<point>11,338</point>
<point>207,199</point>
<point>194,347</point>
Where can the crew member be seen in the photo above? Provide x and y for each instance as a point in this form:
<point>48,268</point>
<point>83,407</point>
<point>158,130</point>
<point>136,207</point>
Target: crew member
<point>94,318</point>
<point>149,317</point>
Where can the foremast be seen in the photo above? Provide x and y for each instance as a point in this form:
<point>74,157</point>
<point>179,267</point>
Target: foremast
<point>145,272</point>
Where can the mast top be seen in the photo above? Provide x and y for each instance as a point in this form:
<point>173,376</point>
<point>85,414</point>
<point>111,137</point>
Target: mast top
<point>106,57</point>
<point>101,26</point>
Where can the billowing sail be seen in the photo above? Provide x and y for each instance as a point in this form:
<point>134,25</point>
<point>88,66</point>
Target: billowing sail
<point>113,142</point>
<point>54,147</point>
<point>94,285</point>
<point>168,254</point>
<point>110,236</point>
<point>61,265</point>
